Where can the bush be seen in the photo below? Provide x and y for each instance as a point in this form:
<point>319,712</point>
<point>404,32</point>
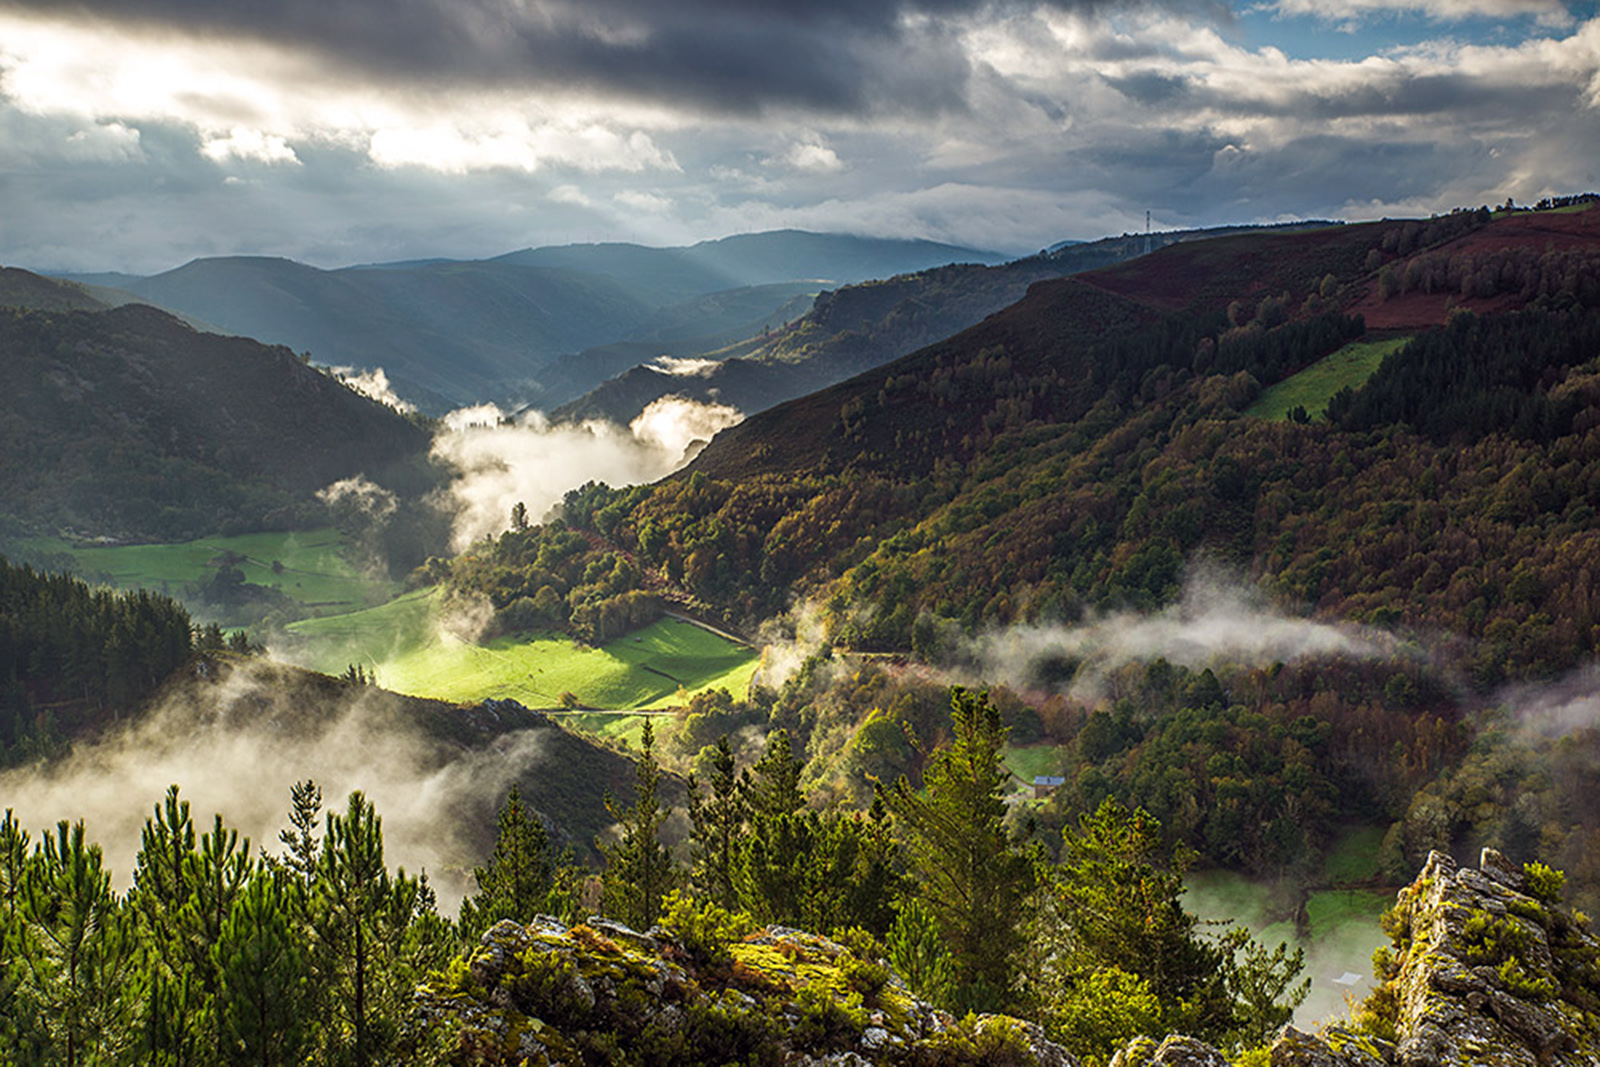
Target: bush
<point>704,930</point>
<point>1544,883</point>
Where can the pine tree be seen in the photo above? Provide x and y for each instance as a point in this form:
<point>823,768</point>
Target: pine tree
<point>965,868</point>
<point>517,882</point>
<point>22,1039</point>
<point>1116,900</point>
<point>717,825</point>
<point>351,898</point>
<point>772,786</point>
<point>81,953</point>
<point>638,867</point>
<point>770,874</point>
<point>263,975</point>
<point>301,843</point>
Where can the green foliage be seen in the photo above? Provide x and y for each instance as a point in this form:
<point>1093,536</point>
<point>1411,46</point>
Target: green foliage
<point>639,870</point>
<point>520,876</point>
<point>705,929</point>
<point>717,822</point>
<point>263,975</point>
<point>1478,376</point>
<point>78,953</point>
<point>80,651</point>
<point>1114,954</point>
<point>964,867</point>
<point>919,954</point>
<point>972,1042</point>
<point>1543,883</point>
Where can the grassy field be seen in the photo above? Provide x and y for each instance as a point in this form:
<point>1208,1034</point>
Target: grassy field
<point>624,726</point>
<point>1030,761</point>
<point>313,571</point>
<point>1313,387</point>
<point>412,651</point>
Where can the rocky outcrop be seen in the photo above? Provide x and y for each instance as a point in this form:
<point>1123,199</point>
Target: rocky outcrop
<point>545,994</point>
<point>1486,968</point>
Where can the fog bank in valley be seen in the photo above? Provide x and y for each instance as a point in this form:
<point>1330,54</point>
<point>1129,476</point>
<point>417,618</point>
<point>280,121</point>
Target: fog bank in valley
<point>503,461</point>
<point>237,745</point>
<point>1220,617</point>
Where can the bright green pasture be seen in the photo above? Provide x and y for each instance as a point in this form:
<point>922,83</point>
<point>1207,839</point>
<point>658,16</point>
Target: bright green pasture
<point>1313,387</point>
<point>314,571</point>
<point>623,726</point>
<point>1030,761</point>
<point>411,647</point>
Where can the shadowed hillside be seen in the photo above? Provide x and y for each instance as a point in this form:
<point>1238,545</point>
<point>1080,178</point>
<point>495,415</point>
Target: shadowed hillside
<point>130,424</point>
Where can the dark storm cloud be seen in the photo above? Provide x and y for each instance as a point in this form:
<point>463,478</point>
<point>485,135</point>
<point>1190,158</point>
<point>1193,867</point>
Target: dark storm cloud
<point>733,55</point>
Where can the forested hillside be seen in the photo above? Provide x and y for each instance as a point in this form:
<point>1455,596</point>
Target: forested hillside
<point>1082,452</point>
<point>129,424</point>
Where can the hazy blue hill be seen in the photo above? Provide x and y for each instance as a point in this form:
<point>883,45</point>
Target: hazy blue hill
<point>670,275</point>
<point>703,324</point>
<point>129,423</point>
<point>446,333</point>
<point>857,327</point>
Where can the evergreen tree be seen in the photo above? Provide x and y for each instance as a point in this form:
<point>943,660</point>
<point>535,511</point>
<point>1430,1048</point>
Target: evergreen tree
<point>772,786</point>
<point>638,867</point>
<point>918,952</point>
<point>301,843</point>
<point>351,898</point>
<point>214,873</point>
<point>964,867</point>
<point>518,880</point>
<point>262,975</point>
<point>770,875</point>
<point>81,952</point>
<point>717,824</point>
<point>22,1038</point>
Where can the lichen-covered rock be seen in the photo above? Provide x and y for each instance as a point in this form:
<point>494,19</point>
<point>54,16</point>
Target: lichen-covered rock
<point>1176,1050</point>
<point>545,995</point>
<point>1336,1046</point>
<point>1486,970</point>
<point>1484,973</point>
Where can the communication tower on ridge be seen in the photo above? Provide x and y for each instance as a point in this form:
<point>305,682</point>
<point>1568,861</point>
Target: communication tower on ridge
<point>1147,231</point>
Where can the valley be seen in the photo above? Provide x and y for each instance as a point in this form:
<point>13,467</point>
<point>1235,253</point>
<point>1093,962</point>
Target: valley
<point>1277,563</point>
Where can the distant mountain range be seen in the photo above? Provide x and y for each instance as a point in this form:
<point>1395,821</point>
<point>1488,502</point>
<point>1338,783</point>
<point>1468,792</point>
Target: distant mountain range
<point>858,327</point>
<point>451,332</point>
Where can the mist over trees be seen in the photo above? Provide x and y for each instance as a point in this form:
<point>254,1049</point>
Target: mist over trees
<point>224,953</point>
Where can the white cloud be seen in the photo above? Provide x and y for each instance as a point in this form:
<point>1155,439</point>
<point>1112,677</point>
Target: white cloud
<point>569,194</point>
<point>534,462</point>
<point>649,203</point>
<point>813,156</point>
<point>515,144</point>
<point>249,145</point>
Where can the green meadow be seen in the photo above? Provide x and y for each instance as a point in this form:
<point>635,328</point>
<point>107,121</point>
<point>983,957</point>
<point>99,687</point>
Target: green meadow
<point>413,647</point>
<point>1313,387</point>
<point>312,568</point>
<point>1030,761</point>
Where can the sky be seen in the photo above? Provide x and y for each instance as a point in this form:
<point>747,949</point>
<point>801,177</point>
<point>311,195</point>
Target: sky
<point>136,135</point>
